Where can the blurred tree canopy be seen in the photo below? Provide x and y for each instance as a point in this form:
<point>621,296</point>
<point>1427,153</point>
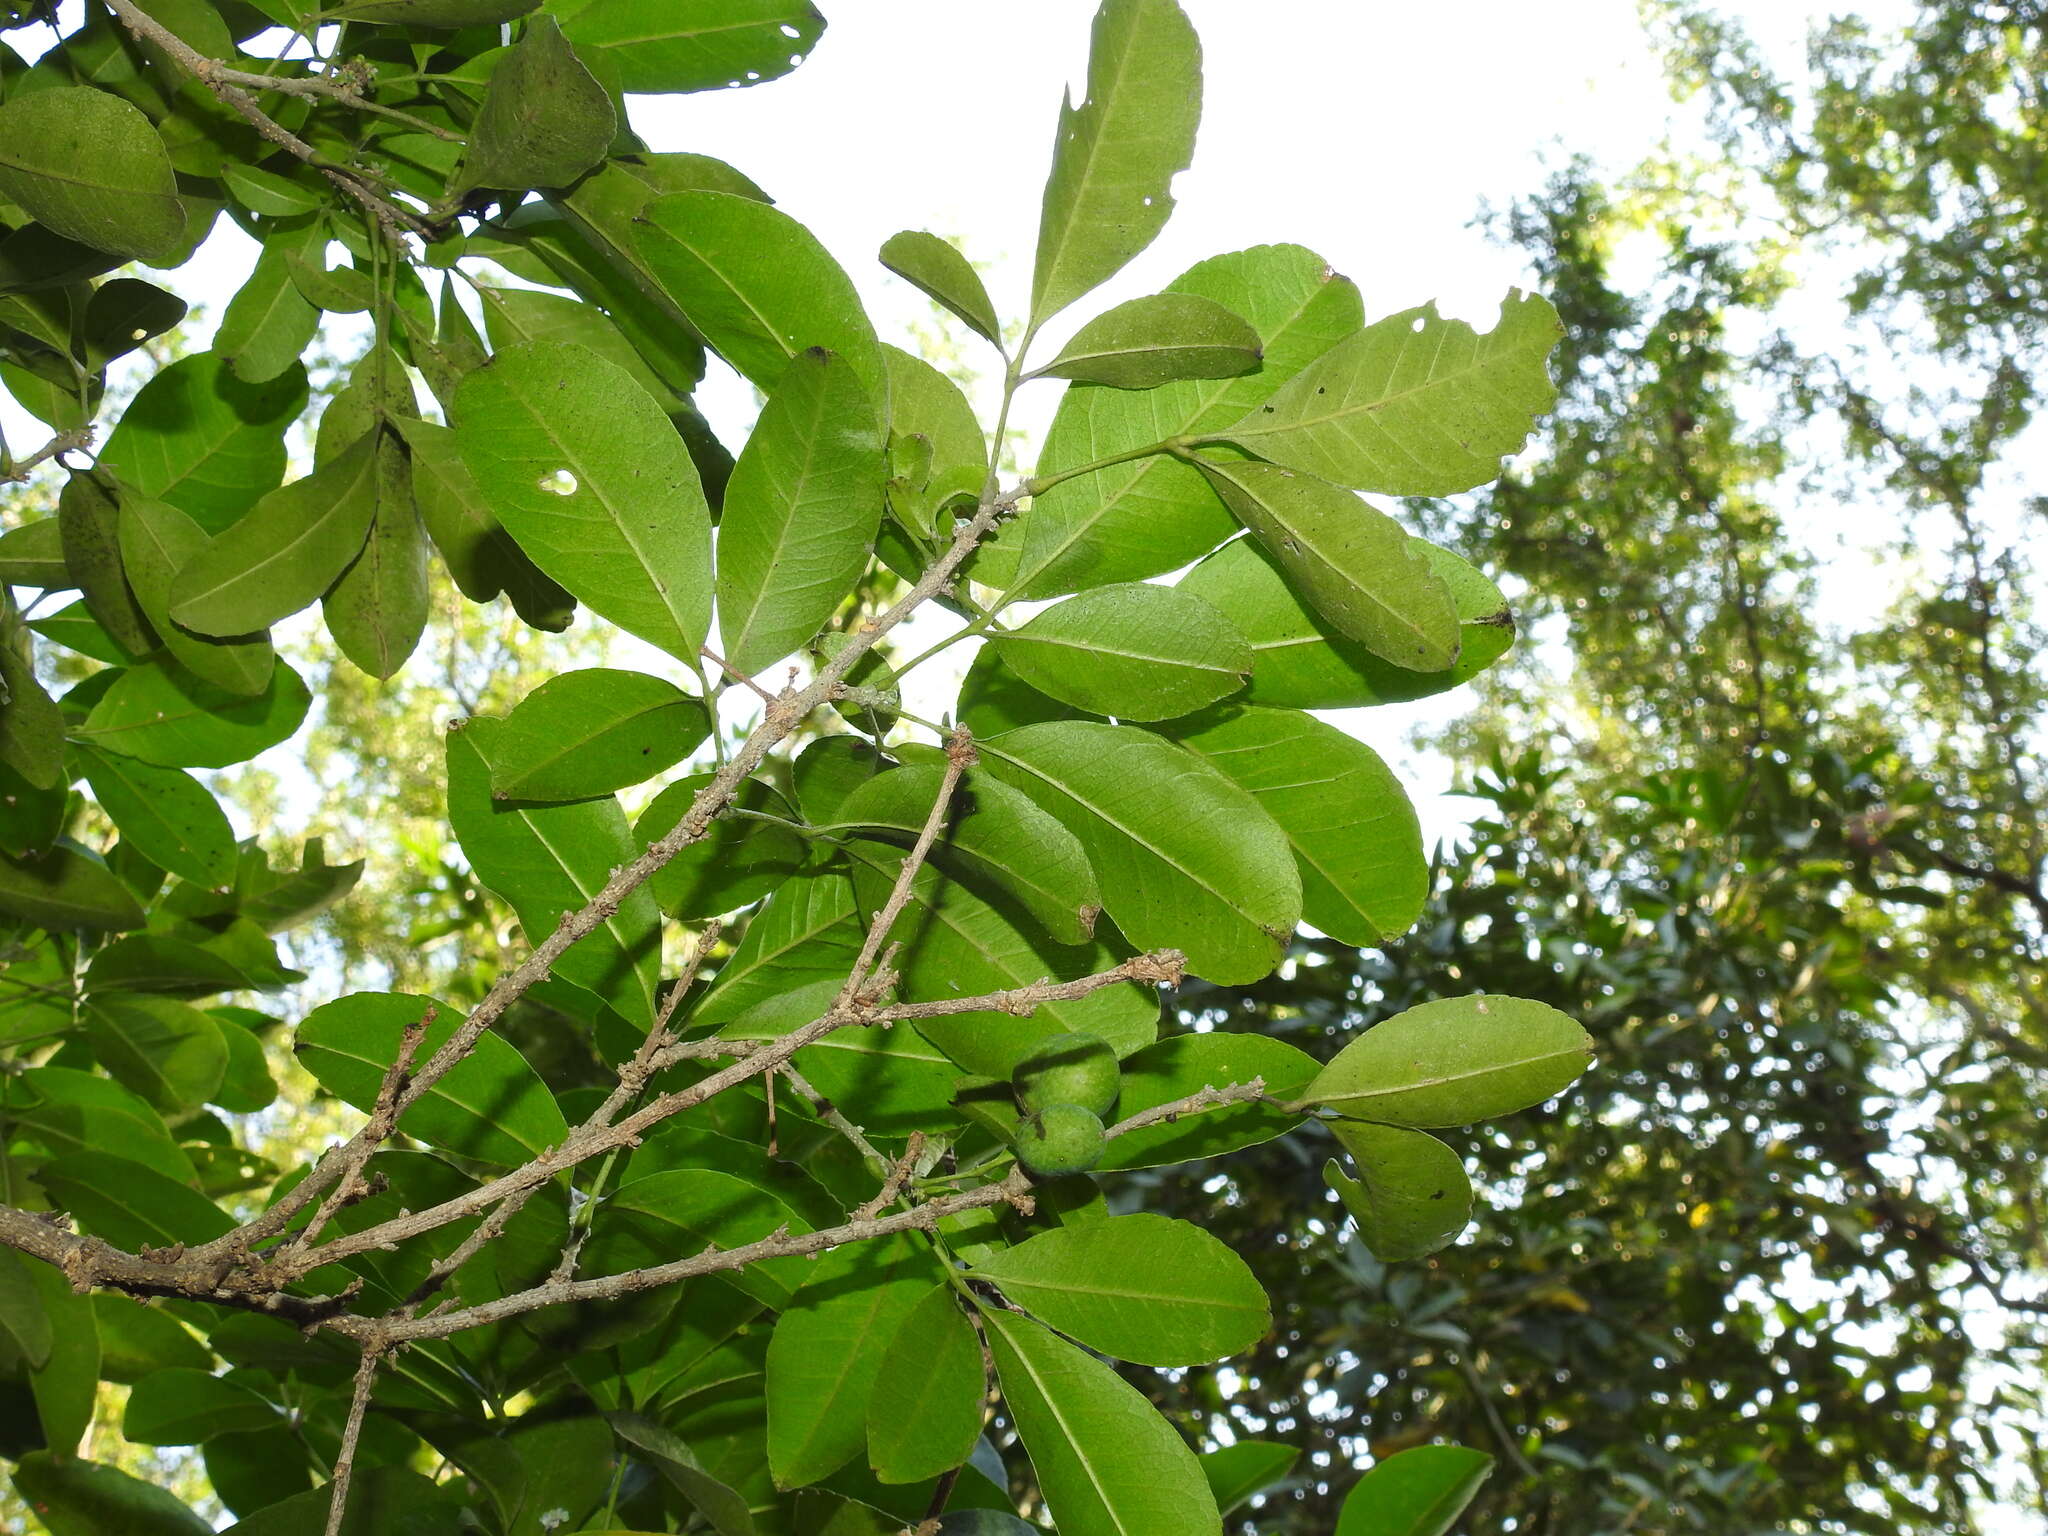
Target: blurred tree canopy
<point>1778,1266</point>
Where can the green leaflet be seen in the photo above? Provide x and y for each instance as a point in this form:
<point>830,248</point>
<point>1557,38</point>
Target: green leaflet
<point>88,521</point>
<point>1238,1471</point>
<point>1144,1288</point>
<point>1356,839</point>
<point>1114,156</point>
<point>550,859</point>
<point>658,46</point>
<point>377,609</point>
<point>23,1317</point>
<point>941,273</point>
<point>269,323</point>
<point>31,727</point>
<point>724,1506</point>
<point>1357,566</point>
<point>89,166</point>
<point>203,440</point>
<point>1453,1061</point>
<point>1132,650</point>
<point>1420,1492</point>
<point>800,513</point>
<point>544,121</point>
<point>670,1215</point>
<point>993,699</point>
<point>130,1205</point>
<point>1107,1463</point>
<point>992,832</point>
<point>161,713</point>
<point>513,315</point>
<point>157,541</point>
<point>135,1341</point>
<point>1181,1065</point>
<point>587,474</point>
<point>186,1406</point>
<point>382,1501</point>
<point>32,555</point>
<point>267,192</point>
<point>123,313</point>
<point>1299,659</point>
<point>64,1110</point>
<point>756,285</point>
<point>435,13</point>
<point>958,944</point>
<point>796,951</point>
<point>1411,1196</point>
<point>890,1080</point>
<point>167,1052</point>
<point>74,627</point>
<point>928,413</point>
<point>1413,405</point>
<point>285,552</point>
<point>1152,341</point>
<point>1151,515</point>
<point>490,1106</point>
<point>740,858</point>
<point>1186,859</point>
<point>66,888</point>
<point>924,1408</point>
<point>170,817</point>
<point>588,733</point>
<point>827,1348</point>
<point>482,558</point>
<point>246,1086</point>
<point>74,1497</point>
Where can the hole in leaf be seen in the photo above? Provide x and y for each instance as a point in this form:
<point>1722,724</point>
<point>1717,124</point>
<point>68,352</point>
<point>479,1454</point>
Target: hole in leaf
<point>1417,324</point>
<point>558,481</point>
<point>789,31</point>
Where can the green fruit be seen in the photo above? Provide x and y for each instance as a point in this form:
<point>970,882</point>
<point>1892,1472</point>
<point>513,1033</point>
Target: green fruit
<point>1059,1139</point>
<point>1077,1068</point>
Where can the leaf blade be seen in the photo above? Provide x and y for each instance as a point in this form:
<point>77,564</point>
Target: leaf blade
<point>631,536</point>
<point>1413,405</point>
<point>1114,157</point>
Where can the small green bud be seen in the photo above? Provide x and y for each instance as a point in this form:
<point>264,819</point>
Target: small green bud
<point>1077,1068</point>
<point>1060,1139</point>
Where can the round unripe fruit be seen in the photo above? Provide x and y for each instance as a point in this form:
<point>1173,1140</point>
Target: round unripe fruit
<point>1060,1139</point>
<point>1077,1068</point>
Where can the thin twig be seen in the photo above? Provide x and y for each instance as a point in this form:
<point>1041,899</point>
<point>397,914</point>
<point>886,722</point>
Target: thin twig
<point>734,672</point>
<point>63,442</point>
<point>1012,1190</point>
<point>644,1064</point>
<point>825,1110</point>
<point>351,1432</point>
<point>899,1175</point>
<point>1206,1098</point>
<point>789,710</point>
<point>960,756</point>
<point>217,77</point>
<point>383,1123</point>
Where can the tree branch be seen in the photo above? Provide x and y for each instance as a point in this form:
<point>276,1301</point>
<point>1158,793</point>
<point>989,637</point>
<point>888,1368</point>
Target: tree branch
<point>351,1433</point>
<point>1206,1098</point>
<point>1012,1190</point>
<point>790,709</point>
<point>226,84</point>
